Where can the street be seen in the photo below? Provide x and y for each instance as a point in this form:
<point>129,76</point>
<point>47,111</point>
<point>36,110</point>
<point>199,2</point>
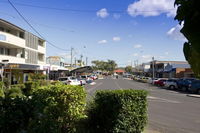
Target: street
<point>168,111</point>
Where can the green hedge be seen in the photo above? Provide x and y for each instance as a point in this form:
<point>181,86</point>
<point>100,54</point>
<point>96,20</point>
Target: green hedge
<point>118,111</point>
<point>52,109</point>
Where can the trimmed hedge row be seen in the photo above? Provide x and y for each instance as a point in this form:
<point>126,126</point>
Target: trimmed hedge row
<point>118,111</point>
<point>61,108</point>
<point>52,109</point>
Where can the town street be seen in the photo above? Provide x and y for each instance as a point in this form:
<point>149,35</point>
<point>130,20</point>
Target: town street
<point>168,111</point>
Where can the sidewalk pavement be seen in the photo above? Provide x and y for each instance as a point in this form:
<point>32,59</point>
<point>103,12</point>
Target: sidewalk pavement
<point>193,95</point>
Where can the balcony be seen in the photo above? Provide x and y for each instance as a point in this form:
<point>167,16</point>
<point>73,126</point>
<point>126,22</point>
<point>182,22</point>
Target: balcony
<point>41,49</point>
<point>12,40</point>
<point>12,59</point>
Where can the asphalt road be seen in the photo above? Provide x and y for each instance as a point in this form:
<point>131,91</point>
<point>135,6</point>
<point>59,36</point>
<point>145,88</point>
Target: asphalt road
<point>168,111</point>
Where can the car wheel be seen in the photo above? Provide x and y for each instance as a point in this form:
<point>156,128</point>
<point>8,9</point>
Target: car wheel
<point>171,87</point>
<point>184,88</point>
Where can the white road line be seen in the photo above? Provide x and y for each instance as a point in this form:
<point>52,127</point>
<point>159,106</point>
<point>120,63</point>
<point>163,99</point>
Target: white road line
<point>117,85</point>
<point>89,90</point>
<point>161,99</point>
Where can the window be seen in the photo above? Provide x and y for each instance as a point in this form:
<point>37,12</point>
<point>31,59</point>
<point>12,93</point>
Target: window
<point>21,35</point>
<point>1,29</point>
<point>7,51</point>
<point>1,51</point>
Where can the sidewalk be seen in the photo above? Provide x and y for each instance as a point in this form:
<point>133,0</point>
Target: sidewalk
<point>193,95</point>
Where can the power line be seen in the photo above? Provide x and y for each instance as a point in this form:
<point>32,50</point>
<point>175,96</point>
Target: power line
<point>33,27</point>
<point>82,11</point>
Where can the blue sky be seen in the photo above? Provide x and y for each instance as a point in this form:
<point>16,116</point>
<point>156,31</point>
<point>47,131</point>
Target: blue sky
<point>121,30</point>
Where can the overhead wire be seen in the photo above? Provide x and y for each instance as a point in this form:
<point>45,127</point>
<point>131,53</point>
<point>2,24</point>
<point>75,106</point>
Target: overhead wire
<point>82,11</point>
<point>34,28</point>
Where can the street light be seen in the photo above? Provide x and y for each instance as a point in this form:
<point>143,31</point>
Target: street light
<point>153,67</point>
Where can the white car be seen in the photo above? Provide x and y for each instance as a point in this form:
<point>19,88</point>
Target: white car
<point>171,84</point>
<point>70,80</point>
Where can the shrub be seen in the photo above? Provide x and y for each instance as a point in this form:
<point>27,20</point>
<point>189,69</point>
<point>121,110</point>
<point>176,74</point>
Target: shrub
<point>118,111</point>
<point>57,108</point>
<point>30,86</point>
<point>14,91</point>
<point>52,109</point>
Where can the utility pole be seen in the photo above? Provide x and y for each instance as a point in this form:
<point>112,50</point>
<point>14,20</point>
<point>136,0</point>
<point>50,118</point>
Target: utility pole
<point>86,61</point>
<point>81,60</point>
<point>75,62</point>
<point>153,67</point>
<point>72,56</point>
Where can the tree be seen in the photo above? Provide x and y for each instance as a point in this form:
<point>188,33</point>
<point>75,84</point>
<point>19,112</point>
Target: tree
<point>188,14</point>
<point>108,66</point>
<point>128,69</point>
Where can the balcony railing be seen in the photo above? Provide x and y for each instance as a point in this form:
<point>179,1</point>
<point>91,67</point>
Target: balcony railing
<point>12,59</point>
<point>12,39</point>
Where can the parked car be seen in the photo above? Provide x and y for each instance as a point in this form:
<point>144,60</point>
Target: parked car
<point>87,78</point>
<point>69,80</point>
<point>94,77</point>
<point>171,84</point>
<point>160,82</point>
<point>183,84</point>
<point>194,86</point>
<point>82,81</point>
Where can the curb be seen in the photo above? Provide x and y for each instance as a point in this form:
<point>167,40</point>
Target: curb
<point>192,95</point>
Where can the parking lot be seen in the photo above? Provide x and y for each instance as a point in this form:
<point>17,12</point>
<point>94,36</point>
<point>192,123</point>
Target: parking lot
<point>168,111</point>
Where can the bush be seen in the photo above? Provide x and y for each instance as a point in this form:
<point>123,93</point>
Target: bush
<point>52,109</point>
<point>58,108</point>
<point>14,91</point>
<point>118,111</point>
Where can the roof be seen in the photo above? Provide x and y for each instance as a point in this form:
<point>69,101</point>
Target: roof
<point>119,71</point>
<point>11,25</point>
<point>170,62</point>
<point>17,27</point>
<point>86,69</point>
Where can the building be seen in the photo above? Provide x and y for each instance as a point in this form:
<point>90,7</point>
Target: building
<point>56,67</point>
<point>171,69</point>
<point>21,52</point>
<point>119,71</point>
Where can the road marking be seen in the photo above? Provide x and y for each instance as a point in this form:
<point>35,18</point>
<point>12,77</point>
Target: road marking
<point>94,87</point>
<point>161,99</point>
<point>117,85</point>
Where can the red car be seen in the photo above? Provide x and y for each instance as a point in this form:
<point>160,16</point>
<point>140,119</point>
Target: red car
<point>160,82</point>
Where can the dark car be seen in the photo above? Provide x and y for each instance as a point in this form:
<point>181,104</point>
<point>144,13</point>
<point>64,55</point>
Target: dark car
<point>183,84</point>
<point>194,87</point>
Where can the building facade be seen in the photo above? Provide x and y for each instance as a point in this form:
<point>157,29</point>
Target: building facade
<point>21,52</point>
<point>56,67</point>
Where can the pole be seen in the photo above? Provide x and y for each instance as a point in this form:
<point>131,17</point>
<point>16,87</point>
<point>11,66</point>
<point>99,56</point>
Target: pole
<point>75,62</point>
<point>81,60</point>
<point>71,55</point>
<point>153,67</point>
<point>86,62</point>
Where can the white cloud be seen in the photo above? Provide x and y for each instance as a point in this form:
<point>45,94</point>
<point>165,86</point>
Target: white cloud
<point>116,39</point>
<point>137,46</point>
<point>175,33</point>
<point>103,13</point>
<point>146,58</point>
<point>152,8</point>
<point>166,53</point>
<point>102,41</point>
<point>135,54</point>
<point>116,16</point>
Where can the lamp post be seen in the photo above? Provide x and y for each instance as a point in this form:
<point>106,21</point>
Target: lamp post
<point>153,67</point>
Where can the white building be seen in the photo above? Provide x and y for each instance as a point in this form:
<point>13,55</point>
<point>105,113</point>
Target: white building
<point>22,51</point>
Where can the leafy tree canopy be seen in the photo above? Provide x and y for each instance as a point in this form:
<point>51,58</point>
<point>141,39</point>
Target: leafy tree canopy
<point>108,66</point>
<point>188,14</point>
